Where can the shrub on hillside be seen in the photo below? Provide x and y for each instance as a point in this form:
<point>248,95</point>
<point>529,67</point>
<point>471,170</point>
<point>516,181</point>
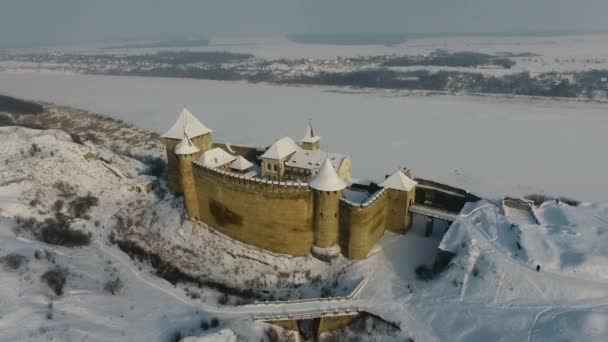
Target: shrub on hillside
<point>58,205</point>
<point>113,286</point>
<point>76,138</point>
<point>80,206</point>
<point>56,279</point>
<point>423,272</point>
<point>6,120</point>
<point>34,149</point>
<point>53,230</point>
<point>59,233</point>
<point>65,189</point>
<point>214,322</point>
<point>154,166</point>
<point>14,261</point>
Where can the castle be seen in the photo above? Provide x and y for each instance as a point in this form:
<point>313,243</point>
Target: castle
<point>288,198</point>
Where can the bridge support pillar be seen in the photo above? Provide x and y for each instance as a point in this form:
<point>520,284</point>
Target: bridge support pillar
<point>429,226</point>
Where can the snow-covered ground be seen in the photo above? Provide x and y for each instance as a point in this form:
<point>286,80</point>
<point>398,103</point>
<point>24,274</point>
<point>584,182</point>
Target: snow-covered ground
<point>146,308</point>
<point>492,145</point>
<point>492,291</point>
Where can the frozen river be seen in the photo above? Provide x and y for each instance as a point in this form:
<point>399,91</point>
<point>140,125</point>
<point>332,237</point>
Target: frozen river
<point>493,146</point>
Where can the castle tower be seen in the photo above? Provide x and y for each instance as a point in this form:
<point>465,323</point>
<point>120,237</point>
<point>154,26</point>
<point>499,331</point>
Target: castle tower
<point>401,195</point>
<point>185,125</point>
<point>187,153</point>
<point>327,189</point>
<point>310,141</point>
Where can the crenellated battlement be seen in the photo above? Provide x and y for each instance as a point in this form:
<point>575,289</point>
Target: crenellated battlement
<point>373,199</point>
<point>242,182</point>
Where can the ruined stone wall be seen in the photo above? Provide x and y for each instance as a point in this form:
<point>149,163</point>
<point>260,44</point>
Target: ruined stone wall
<point>273,215</point>
<point>398,216</point>
<point>362,225</point>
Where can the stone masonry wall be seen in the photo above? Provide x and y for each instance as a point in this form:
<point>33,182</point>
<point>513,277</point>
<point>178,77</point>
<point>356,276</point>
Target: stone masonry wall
<point>276,216</point>
<point>362,225</point>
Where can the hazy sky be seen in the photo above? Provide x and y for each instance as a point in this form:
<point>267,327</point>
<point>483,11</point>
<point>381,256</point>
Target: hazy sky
<point>32,21</point>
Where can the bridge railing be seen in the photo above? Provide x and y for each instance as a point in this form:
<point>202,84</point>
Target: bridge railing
<point>433,212</point>
<point>350,296</point>
<point>308,315</point>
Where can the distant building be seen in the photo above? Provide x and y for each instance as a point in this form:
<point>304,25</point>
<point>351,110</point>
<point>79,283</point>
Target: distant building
<point>290,198</point>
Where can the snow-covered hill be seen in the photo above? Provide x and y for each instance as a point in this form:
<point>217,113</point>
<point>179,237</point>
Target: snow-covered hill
<point>491,291</point>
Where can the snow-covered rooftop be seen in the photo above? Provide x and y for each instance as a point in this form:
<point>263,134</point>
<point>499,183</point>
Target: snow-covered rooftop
<point>186,147</point>
<point>215,157</point>
<point>186,124</point>
<point>305,159</point>
<point>281,148</point>
<point>327,179</point>
<point>309,136</point>
<point>241,164</point>
<point>399,181</point>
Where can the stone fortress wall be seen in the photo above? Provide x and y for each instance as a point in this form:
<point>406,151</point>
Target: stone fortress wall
<point>362,225</point>
<point>278,216</point>
<point>288,217</point>
<point>273,215</point>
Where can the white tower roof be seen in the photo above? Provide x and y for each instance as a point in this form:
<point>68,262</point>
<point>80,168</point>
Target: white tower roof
<point>309,136</point>
<point>186,124</point>
<point>241,164</point>
<point>215,157</point>
<point>399,181</point>
<point>281,149</point>
<point>186,147</point>
<point>327,179</point>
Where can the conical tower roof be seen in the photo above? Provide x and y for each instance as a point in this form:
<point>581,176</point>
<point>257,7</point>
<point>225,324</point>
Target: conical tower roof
<point>186,147</point>
<point>327,179</point>
<point>399,181</point>
<point>309,135</point>
<point>186,124</point>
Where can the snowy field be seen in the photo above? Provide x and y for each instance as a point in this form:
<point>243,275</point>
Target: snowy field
<point>495,146</point>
